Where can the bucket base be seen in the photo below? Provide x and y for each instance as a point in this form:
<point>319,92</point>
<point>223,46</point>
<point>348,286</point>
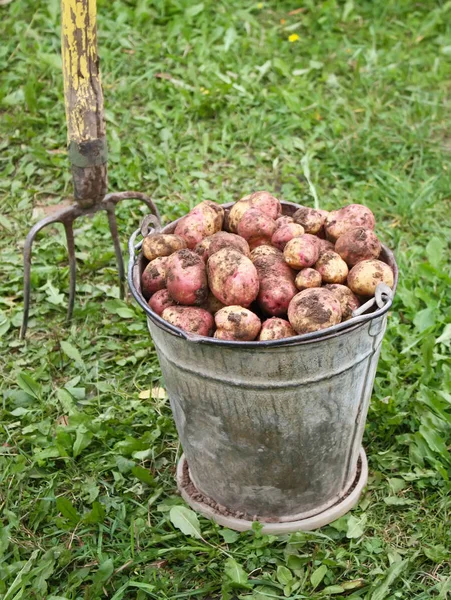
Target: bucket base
<point>340,508</point>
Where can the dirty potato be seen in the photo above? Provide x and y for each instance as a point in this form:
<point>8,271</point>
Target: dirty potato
<point>302,252</point>
<point>358,244</point>
<point>190,318</point>
<point>186,278</point>
<point>256,228</point>
<point>348,300</point>
<point>311,219</point>
<point>276,329</point>
<point>263,201</point>
<point>284,234</point>
<point>366,274</point>
<point>160,300</point>
<point>203,220</point>
<point>349,217</point>
<point>314,309</point>
<point>232,277</point>
<point>331,267</point>
<point>153,277</point>
<point>308,278</point>
<point>236,323</point>
<point>161,244</point>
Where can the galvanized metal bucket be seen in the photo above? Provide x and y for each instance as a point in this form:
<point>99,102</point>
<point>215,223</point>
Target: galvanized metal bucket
<point>270,430</point>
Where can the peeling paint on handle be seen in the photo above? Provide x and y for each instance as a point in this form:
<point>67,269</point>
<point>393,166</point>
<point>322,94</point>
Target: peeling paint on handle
<point>82,84</point>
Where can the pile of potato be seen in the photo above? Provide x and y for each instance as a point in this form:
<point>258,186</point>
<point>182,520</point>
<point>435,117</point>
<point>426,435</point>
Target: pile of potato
<point>254,274</point>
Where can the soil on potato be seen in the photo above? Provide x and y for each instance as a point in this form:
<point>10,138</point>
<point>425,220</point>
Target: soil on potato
<point>315,310</point>
<point>188,258</point>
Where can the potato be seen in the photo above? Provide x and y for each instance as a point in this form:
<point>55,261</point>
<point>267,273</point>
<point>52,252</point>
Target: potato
<point>308,278</point>
<point>275,295</point>
<point>302,252</point>
<point>264,251</point>
<point>276,283</point>
<point>203,220</point>
<point>314,309</point>
<point>212,304</point>
<point>236,323</point>
<point>324,245</point>
<point>349,217</point>
<point>161,244</point>
<point>220,240</point>
<point>284,234</point>
<point>263,201</point>
<point>311,219</point>
<point>232,277</point>
<point>223,239</point>
<point>366,274</point>
<point>255,227</point>
<point>160,300</point>
<point>331,267</point>
<point>283,220</point>
<point>186,278</point>
<point>203,246</point>
<point>153,277</point>
<point>276,329</point>
<point>348,301</point>
<point>190,318</point>
<point>358,244</point>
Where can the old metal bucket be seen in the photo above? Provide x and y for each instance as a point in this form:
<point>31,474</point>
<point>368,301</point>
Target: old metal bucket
<point>270,430</point>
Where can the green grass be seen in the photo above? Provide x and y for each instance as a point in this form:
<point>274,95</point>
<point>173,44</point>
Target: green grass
<point>365,94</point>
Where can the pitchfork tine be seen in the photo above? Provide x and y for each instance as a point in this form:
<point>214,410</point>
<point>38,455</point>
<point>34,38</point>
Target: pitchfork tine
<point>56,218</point>
<point>117,248</point>
<point>72,267</point>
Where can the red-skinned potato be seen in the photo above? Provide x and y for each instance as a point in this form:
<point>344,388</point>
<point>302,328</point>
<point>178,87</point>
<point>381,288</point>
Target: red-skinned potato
<point>284,234</point>
<point>190,318</point>
<point>203,220</point>
<point>263,201</point>
<point>349,217</point>
<point>220,240</point>
<point>236,323</point>
<point>348,301</point>
<point>232,277</point>
<point>308,278</point>
<point>276,283</point>
<point>161,244</point>
<point>160,300</point>
<point>276,329</point>
<point>314,309</point>
<point>186,278</point>
<point>332,267</point>
<point>366,274</point>
<point>302,251</point>
<point>255,226</point>
<point>311,219</point>
<point>153,277</point>
<point>358,244</point>
<point>223,239</point>
<point>283,220</point>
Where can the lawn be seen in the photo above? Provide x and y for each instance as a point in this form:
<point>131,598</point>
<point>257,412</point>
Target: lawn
<point>210,101</point>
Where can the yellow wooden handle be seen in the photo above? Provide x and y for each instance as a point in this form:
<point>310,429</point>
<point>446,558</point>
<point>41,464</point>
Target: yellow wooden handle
<point>83,99</point>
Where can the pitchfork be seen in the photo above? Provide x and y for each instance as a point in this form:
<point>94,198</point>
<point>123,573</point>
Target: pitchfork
<point>87,147</point>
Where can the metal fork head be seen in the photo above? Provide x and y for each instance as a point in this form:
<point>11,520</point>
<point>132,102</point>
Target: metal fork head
<point>66,217</point>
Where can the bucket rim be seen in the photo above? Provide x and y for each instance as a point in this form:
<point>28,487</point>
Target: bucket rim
<point>133,277</point>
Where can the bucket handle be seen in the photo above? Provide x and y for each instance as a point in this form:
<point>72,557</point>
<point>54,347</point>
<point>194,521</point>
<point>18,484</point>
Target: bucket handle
<point>382,296</point>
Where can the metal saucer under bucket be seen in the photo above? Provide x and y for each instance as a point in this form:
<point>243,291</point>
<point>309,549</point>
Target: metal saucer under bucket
<point>272,430</point>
